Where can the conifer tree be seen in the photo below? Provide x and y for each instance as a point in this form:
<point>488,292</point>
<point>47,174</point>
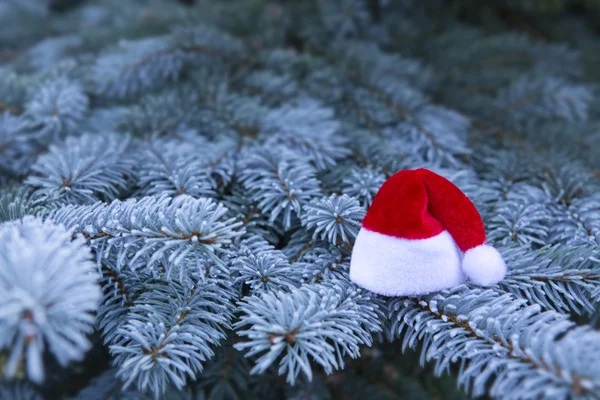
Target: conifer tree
<point>181,185</point>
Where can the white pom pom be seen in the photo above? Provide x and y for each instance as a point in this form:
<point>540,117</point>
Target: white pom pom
<point>484,265</point>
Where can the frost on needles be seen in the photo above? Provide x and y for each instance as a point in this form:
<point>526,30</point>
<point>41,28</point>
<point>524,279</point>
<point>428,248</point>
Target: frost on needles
<point>50,291</point>
<point>181,188</point>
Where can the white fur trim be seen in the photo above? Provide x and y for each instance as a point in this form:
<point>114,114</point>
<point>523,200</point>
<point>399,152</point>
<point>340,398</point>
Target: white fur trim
<point>484,265</point>
<point>397,267</point>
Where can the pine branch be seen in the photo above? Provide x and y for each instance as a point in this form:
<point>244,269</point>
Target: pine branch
<point>556,278</point>
<point>143,234</point>
<point>493,335</point>
<point>50,291</point>
<point>307,322</point>
<point>170,331</point>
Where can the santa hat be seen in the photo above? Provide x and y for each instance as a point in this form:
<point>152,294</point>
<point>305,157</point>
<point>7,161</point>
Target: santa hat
<point>414,235</point>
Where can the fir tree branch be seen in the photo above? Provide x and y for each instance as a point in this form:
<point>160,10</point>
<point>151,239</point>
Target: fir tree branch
<point>459,325</point>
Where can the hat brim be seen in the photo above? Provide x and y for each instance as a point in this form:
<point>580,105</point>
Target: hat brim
<point>393,266</point>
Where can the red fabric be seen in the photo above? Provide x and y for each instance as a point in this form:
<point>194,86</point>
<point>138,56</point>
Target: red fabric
<point>419,204</point>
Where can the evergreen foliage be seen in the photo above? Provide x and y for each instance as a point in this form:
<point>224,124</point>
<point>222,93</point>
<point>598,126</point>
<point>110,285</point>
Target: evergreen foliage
<point>181,185</point>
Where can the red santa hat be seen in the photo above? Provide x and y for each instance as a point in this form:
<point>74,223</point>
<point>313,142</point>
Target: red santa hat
<point>414,235</point>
